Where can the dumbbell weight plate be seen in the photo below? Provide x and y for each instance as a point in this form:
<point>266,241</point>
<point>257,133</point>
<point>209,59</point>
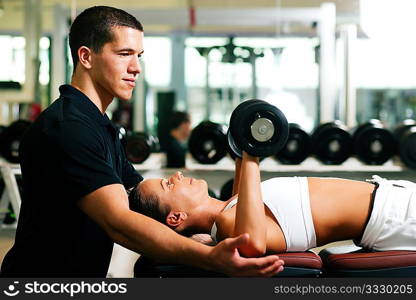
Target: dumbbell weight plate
<point>138,147</point>
<point>258,128</point>
<point>332,144</point>
<point>207,143</point>
<point>407,147</point>
<point>233,149</point>
<point>227,190</point>
<point>10,140</point>
<point>297,147</point>
<point>402,127</point>
<point>373,144</point>
<point>405,134</point>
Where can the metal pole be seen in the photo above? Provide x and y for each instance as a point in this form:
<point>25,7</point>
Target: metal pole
<point>349,36</point>
<point>327,62</point>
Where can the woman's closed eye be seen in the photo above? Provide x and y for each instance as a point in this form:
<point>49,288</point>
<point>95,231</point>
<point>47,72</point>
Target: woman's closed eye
<point>169,184</point>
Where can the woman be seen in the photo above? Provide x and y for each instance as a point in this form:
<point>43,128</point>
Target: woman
<point>288,213</point>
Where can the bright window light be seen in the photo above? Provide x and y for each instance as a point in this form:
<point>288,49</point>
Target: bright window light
<point>393,19</point>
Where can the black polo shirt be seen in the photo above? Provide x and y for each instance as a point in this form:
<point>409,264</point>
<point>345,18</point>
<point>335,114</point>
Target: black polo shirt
<point>70,151</point>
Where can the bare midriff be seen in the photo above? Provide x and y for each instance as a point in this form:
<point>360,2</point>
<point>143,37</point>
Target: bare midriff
<point>340,208</point>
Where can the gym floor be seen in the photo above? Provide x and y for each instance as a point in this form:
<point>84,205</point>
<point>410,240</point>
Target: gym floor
<point>6,241</point>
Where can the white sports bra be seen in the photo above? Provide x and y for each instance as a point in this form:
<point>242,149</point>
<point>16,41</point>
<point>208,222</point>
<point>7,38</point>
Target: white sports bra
<point>288,200</point>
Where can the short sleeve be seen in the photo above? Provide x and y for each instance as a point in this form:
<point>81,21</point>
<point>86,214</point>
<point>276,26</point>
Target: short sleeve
<point>85,163</point>
<point>130,176</point>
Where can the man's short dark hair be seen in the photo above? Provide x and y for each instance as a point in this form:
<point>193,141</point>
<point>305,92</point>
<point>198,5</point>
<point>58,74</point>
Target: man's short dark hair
<point>177,118</point>
<point>93,28</point>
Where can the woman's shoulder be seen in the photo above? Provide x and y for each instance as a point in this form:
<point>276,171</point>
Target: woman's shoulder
<point>225,223</point>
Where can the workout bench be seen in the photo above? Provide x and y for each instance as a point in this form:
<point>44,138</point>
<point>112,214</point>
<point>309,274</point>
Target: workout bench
<point>297,264</point>
<point>352,261</point>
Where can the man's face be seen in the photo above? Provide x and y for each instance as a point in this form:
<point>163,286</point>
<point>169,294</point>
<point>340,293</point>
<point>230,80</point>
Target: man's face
<point>116,66</point>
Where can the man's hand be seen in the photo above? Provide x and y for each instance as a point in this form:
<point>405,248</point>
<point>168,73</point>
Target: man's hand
<point>226,259</point>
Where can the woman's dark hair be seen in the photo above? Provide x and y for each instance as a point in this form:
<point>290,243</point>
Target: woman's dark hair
<point>147,205</point>
<point>93,28</point>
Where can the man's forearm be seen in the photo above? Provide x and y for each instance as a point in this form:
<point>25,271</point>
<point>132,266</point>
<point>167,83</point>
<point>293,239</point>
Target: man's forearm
<point>159,242</point>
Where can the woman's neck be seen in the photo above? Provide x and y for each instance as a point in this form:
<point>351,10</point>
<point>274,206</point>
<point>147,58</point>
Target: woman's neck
<point>208,214</point>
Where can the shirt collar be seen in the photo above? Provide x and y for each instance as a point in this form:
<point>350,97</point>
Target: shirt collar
<point>84,104</point>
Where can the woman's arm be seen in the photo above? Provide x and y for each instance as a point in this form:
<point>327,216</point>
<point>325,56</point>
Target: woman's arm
<point>237,175</point>
<point>250,214</point>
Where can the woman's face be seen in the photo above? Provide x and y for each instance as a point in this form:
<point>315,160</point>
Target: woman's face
<point>177,191</point>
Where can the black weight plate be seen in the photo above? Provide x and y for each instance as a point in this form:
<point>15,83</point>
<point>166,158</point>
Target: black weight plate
<point>10,140</point>
<point>212,194</point>
<point>332,144</point>
<point>369,124</point>
<point>374,144</point>
<point>138,147</point>
<point>407,147</point>
<point>207,143</point>
<point>232,148</point>
<point>402,128</point>
<point>235,122</point>
<point>227,190</point>
<point>242,134</point>
<point>297,147</point>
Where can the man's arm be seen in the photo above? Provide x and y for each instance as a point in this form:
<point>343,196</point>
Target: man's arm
<point>108,206</point>
<point>250,215</point>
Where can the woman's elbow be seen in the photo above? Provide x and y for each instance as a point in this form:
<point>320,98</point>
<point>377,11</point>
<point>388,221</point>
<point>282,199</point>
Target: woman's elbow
<point>253,250</point>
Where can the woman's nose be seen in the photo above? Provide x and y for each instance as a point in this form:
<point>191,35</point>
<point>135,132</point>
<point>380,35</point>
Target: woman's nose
<point>179,175</point>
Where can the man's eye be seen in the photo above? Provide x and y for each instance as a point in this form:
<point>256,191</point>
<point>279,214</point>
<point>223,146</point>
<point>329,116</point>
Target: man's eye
<point>124,54</point>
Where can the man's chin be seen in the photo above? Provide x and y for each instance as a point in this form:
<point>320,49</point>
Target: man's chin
<point>124,96</point>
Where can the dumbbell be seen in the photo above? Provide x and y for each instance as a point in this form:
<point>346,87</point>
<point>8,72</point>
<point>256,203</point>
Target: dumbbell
<point>10,139</point>
<point>332,143</point>
<point>207,143</point>
<point>212,194</point>
<point>405,134</point>
<point>297,147</point>
<point>138,146</point>
<point>227,190</point>
<point>258,128</point>
<point>373,143</point>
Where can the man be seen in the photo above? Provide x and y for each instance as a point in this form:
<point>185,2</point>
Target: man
<point>75,174</point>
<point>174,143</point>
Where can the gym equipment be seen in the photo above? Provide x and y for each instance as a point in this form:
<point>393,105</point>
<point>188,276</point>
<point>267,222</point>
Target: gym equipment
<point>227,190</point>
<point>10,216</point>
<point>331,142</point>
<point>207,143</point>
<point>212,194</point>
<point>138,146</point>
<point>297,147</point>
<point>10,140</point>
<point>297,264</point>
<point>405,134</point>
<point>373,143</point>
<point>258,128</point>
<point>351,261</point>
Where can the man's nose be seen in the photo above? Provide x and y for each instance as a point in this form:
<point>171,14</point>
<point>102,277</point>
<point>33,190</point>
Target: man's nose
<point>135,66</point>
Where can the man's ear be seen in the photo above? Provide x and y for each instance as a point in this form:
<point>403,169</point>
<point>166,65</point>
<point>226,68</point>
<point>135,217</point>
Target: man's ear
<point>84,56</point>
<point>176,218</point>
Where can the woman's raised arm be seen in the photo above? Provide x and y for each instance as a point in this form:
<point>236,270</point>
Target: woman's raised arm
<point>250,214</point>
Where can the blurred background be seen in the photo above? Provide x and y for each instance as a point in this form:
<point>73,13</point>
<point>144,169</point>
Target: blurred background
<point>350,60</point>
<point>319,61</point>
